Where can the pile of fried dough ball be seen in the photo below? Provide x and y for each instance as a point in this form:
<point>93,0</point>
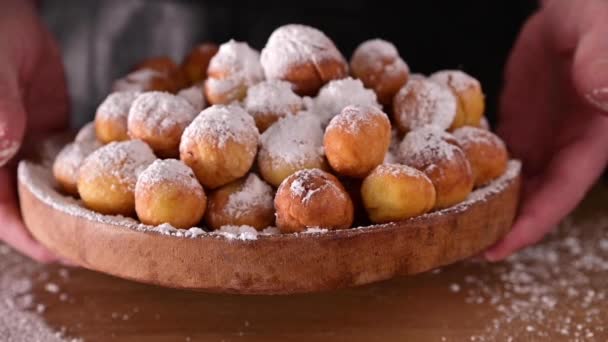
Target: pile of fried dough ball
<point>293,137</point>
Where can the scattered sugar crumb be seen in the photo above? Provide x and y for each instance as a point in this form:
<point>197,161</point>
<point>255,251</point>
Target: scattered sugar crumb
<point>51,288</point>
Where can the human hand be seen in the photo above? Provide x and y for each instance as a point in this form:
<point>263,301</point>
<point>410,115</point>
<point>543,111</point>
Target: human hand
<point>554,114</point>
<point>33,99</point>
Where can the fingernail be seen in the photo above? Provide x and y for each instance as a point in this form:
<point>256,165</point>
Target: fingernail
<point>599,98</point>
<point>8,149</point>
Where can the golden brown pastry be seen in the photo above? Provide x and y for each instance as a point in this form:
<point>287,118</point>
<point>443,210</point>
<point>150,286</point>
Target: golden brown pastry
<point>159,119</point>
<point>196,63</point>
<point>162,64</point>
<point>111,116</point>
<point>234,69</point>
<point>87,134</point>
<point>303,56</point>
<point>485,151</point>
<point>468,91</point>
<point>194,95</point>
<point>312,198</point>
<point>424,102</point>
<point>167,192</point>
<point>244,202</point>
<point>107,177</point>
<point>146,80</point>
<point>336,95</point>
<point>377,63</point>
<point>220,145</point>
<point>394,192</point>
<point>293,143</point>
<point>357,140</point>
<point>67,163</point>
<point>437,154</point>
<point>269,101</point>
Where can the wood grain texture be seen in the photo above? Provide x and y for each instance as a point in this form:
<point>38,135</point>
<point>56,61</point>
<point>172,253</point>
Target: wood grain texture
<point>279,264</point>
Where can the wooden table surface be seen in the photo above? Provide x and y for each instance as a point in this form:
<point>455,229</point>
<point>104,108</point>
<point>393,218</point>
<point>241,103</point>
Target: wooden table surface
<point>556,291</point>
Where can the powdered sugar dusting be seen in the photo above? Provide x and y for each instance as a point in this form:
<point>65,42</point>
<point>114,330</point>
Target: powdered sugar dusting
<point>379,55</point>
<point>221,124</point>
<point>237,63</point>
<point>86,134</point>
<point>293,45</point>
<point>272,96</point>
<point>171,171</point>
<point>238,232</point>
<point>137,81</point>
<point>398,170</point>
<point>122,160</point>
<point>294,139</point>
<point>307,183</point>
<point>117,105</point>
<point>468,135</point>
<point>194,95</point>
<point>426,146</point>
<point>160,112</point>
<point>455,79</point>
<point>254,193</point>
<point>353,117</point>
<point>337,94</point>
<point>71,157</point>
<point>422,102</point>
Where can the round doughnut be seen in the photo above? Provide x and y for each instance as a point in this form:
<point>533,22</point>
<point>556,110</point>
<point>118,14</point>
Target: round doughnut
<point>485,151</point>
<point>162,64</point>
<point>377,63</point>
<point>159,119</point>
<point>107,177</point>
<point>111,116</point>
<point>68,161</point>
<point>437,154</point>
<point>87,134</point>
<point>468,91</point>
<point>312,198</point>
<point>336,95</point>
<point>194,95</point>
<point>167,192</point>
<point>270,100</point>
<point>197,61</point>
<point>220,145</point>
<point>394,192</point>
<point>303,56</point>
<point>423,102</point>
<point>145,80</point>
<point>234,68</point>
<point>356,140</point>
<point>293,143</point>
<point>244,202</point>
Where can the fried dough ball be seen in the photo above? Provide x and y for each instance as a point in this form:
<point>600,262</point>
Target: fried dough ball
<point>424,102</point>
<point>312,198</point>
<point>484,124</point>
<point>437,154</point>
<point>336,95</point>
<point>303,56</point>
<point>234,69</point>
<point>146,80</point>
<point>159,119</point>
<point>167,192</point>
<point>244,202</point>
<point>356,140</point>
<point>269,101</point>
<point>107,177</point>
<point>394,192</point>
<point>111,116</point>
<point>195,96</point>
<point>377,63</point>
<point>196,63</point>
<point>293,143</point>
<point>468,91</point>
<point>162,64</point>
<point>485,151</point>
<point>87,134</point>
<point>68,162</point>
<point>220,145</point>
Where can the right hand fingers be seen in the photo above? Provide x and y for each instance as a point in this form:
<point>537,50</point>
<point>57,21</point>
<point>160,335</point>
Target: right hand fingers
<point>12,230</point>
<point>12,115</point>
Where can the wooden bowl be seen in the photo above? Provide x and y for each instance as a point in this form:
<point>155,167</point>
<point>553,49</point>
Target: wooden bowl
<point>264,264</point>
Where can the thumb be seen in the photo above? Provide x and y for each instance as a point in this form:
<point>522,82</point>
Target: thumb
<point>12,116</point>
